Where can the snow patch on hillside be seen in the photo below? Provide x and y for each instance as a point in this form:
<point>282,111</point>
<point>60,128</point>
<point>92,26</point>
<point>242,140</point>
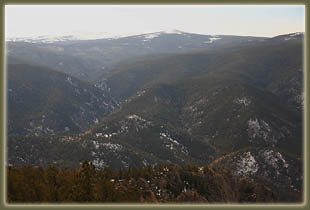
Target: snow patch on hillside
<point>99,163</point>
<point>140,93</point>
<point>171,143</point>
<point>112,147</point>
<point>134,121</point>
<point>102,148</point>
<point>259,129</point>
<point>136,117</point>
<point>274,159</point>
<point>107,145</point>
<point>69,80</point>
<point>214,39</point>
<point>243,101</point>
<point>247,165</point>
<point>211,40</point>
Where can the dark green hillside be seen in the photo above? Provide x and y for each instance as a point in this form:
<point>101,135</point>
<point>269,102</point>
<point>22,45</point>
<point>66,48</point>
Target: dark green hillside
<point>190,121</point>
<point>48,150</point>
<point>224,111</point>
<point>268,65</point>
<point>132,77</point>
<point>277,67</point>
<point>45,102</point>
<point>70,151</point>
<point>202,119</point>
<point>217,112</point>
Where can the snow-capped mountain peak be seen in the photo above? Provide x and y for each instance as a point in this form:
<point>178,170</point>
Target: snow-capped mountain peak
<point>68,37</point>
<point>173,31</point>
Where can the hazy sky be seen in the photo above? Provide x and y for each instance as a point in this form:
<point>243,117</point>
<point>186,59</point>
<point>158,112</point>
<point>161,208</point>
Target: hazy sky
<point>24,21</point>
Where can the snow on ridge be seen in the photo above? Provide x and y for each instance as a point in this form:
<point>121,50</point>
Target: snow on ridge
<point>296,34</point>
<point>130,123</point>
<point>150,36</point>
<point>168,137</point>
<point>41,39</point>
<point>291,36</point>
<point>172,143</point>
<point>173,31</point>
<point>133,122</point>
<point>74,36</point>
<point>135,117</point>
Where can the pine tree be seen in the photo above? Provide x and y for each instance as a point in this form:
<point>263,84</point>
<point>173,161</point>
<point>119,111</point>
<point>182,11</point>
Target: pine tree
<point>82,190</point>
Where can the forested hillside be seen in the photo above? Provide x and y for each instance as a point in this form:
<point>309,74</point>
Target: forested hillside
<point>162,184</point>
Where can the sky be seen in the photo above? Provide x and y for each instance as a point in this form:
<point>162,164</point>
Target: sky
<point>254,20</point>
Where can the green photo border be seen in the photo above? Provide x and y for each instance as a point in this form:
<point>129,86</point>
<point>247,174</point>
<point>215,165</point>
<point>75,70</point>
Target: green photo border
<point>3,113</point>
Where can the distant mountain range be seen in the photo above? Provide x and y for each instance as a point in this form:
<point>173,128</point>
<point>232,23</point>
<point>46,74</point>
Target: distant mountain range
<point>230,101</point>
<point>88,59</point>
<point>85,36</point>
